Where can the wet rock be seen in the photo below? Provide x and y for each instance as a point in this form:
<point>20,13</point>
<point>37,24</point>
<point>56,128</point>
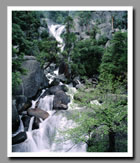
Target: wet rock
<point>60,101</point>
<point>45,93</point>
<point>52,67</point>
<point>15,118</point>
<point>36,123</point>
<point>27,105</point>
<point>26,120</point>
<point>55,82</point>
<point>39,113</point>
<point>19,138</point>
<point>75,81</point>
<point>53,90</point>
<point>20,102</point>
<point>62,78</point>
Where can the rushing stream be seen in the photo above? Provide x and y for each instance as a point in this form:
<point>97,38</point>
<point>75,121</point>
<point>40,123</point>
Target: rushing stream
<point>48,138</point>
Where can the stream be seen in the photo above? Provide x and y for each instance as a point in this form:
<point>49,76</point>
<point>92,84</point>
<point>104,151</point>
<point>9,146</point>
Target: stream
<point>48,138</point>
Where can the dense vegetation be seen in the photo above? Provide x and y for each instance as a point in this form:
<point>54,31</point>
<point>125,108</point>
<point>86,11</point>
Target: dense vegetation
<point>103,127</point>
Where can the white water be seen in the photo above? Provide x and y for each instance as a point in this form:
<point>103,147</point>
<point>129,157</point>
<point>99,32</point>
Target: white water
<point>48,138</point>
<point>21,127</point>
<point>56,31</point>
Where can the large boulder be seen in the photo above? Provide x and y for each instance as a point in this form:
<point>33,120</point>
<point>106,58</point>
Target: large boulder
<point>60,101</point>
<point>19,138</point>
<point>39,113</point>
<point>53,90</point>
<point>33,80</point>
<point>15,117</point>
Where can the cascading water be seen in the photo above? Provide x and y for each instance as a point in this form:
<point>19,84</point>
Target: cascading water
<point>56,31</point>
<point>48,138</point>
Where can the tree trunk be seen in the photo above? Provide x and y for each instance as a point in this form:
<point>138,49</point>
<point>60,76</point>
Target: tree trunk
<point>111,141</point>
<point>112,23</point>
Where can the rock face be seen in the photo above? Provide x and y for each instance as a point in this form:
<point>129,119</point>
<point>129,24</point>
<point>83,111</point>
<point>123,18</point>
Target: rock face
<point>60,101</point>
<point>33,80</point>
<point>38,113</point>
<point>106,30</point>
<point>103,21</point>
<point>15,118</point>
<point>19,138</point>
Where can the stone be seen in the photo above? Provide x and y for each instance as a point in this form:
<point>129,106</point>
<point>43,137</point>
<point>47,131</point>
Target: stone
<point>19,138</point>
<point>60,101</point>
<point>26,120</point>
<point>15,118</point>
<point>39,113</point>
<point>27,105</point>
<point>62,78</point>
<point>34,79</point>
<point>55,82</point>
<point>20,102</point>
<point>76,81</point>
<point>46,92</point>
<point>36,123</point>
<point>52,67</point>
<point>53,90</point>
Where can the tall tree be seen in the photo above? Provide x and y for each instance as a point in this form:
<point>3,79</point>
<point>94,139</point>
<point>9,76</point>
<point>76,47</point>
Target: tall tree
<point>114,62</point>
<point>69,36</point>
<point>24,31</point>
<point>98,125</point>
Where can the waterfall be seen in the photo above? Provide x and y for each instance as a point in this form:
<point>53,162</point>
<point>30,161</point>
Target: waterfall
<point>56,31</point>
<point>48,137</point>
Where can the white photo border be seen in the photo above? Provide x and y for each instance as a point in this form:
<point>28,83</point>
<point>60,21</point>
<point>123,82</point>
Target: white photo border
<point>129,153</point>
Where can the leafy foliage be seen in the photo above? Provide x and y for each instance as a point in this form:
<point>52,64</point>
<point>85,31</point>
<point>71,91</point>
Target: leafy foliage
<point>98,124</point>
<point>48,51</point>
<point>24,30</point>
<point>58,16</point>
<point>86,57</point>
